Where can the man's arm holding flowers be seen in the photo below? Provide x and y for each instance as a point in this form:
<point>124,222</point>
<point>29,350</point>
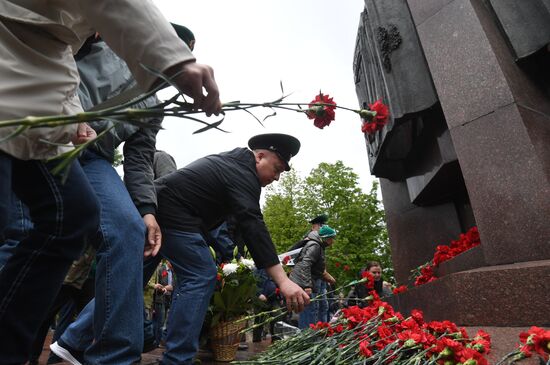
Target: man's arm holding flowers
<point>143,36</point>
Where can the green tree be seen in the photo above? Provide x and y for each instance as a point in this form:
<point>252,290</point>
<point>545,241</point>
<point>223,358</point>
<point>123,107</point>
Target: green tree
<point>285,223</point>
<point>118,158</point>
<point>357,216</point>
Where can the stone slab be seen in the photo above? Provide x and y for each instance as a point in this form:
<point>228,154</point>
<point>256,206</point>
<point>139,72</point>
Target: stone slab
<point>522,83</point>
<point>508,188</point>
<point>414,233</point>
<point>537,125</point>
<point>501,296</point>
<point>471,259</point>
<point>465,70</point>
<point>421,10</point>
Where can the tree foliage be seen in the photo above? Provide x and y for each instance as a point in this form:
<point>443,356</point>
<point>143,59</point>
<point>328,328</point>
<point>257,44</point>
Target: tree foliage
<point>118,158</point>
<point>357,216</point>
<point>285,222</point>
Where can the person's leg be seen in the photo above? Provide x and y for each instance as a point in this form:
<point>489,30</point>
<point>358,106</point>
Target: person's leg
<point>67,310</point>
<point>65,217</point>
<point>6,193</point>
<point>78,336</point>
<point>149,335</point>
<point>196,277</point>
<point>307,316</point>
<point>158,320</point>
<point>59,303</point>
<point>165,324</point>
<point>118,314</point>
<point>323,302</point>
<point>18,227</point>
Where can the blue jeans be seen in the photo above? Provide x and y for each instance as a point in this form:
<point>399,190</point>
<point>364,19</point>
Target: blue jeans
<point>114,319</point>
<point>18,227</point>
<point>159,317</point>
<point>322,314</point>
<point>312,313</point>
<point>195,273</point>
<point>309,314</point>
<point>65,217</point>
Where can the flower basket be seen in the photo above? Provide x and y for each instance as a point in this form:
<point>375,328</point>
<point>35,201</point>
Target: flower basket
<point>225,338</point>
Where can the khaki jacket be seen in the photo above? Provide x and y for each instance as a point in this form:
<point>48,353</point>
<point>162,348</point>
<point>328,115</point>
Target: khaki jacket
<point>37,69</point>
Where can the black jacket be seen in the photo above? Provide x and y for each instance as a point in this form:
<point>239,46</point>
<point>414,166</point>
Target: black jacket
<point>198,197</point>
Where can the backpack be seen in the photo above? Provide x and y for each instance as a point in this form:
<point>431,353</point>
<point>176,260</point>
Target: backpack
<point>301,243</point>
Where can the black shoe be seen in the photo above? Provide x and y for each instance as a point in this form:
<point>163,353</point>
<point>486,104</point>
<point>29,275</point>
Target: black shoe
<point>67,353</point>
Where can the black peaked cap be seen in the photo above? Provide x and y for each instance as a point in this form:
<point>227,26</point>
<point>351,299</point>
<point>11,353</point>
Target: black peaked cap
<point>284,145</point>
<point>320,219</point>
<point>184,33</point>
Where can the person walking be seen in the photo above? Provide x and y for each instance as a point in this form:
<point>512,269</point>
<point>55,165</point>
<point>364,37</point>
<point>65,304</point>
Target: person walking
<point>39,77</point>
<point>309,267</point>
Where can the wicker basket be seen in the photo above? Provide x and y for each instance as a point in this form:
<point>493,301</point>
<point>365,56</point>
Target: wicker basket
<point>225,338</point>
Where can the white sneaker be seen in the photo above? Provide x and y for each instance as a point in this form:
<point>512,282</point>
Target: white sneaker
<point>64,353</point>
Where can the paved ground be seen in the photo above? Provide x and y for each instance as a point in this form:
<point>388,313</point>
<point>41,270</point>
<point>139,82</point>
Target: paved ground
<point>155,355</point>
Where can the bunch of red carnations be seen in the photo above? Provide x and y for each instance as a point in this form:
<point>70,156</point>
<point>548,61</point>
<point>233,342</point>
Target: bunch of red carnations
<point>535,340</point>
<point>376,334</point>
<point>466,241</point>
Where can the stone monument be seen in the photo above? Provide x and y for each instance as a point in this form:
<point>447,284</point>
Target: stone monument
<point>468,144</point>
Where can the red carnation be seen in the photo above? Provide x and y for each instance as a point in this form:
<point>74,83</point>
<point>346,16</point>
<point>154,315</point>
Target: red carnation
<point>400,289</point>
<point>286,259</point>
<point>321,113</point>
<point>382,111</point>
<point>346,267</point>
<point>364,349</point>
<point>375,118</point>
<point>536,339</point>
<point>418,316</point>
<point>471,356</point>
<point>370,279</point>
<point>337,264</point>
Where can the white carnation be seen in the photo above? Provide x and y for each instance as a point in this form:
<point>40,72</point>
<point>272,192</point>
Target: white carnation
<point>248,263</point>
<point>229,269</point>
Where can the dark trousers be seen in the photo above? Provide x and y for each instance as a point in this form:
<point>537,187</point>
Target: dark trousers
<point>68,295</point>
<point>65,218</point>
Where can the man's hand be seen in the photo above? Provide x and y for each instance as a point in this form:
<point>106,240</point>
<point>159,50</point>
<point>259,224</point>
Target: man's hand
<point>328,278</point>
<point>192,78</point>
<point>84,133</point>
<point>308,291</point>
<point>295,297</point>
<point>154,236</point>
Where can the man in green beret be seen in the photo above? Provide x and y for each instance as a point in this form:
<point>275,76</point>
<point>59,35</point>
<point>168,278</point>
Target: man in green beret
<point>309,270</point>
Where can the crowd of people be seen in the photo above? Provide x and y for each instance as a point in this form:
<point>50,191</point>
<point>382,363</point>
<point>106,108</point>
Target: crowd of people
<point>46,71</point>
<point>88,243</point>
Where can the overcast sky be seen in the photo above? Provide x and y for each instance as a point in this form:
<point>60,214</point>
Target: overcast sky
<point>253,45</point>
